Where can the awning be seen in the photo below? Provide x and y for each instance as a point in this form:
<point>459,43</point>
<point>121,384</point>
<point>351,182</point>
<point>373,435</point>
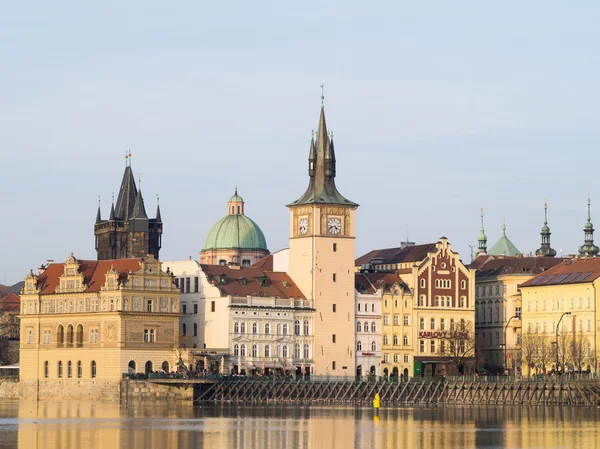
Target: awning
<point>15,366</point>
<point>248,365</point>
<point>291,368</point>
<point>272,365</point>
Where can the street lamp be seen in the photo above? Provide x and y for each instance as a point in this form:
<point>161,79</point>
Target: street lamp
<point>518,317</point>
<point>557,326</point>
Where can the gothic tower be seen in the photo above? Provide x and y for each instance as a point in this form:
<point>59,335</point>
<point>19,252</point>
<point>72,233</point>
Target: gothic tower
<point>588,248</point>
<point>545,250</point>
<point>322,257</point>
<point>128,232</point>
<point>482,239</point>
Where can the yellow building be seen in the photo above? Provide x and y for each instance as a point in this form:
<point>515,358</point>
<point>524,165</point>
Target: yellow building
<point>321,258</point>
<point>437,312</point>
<point>86,323</point>
<point>560,311</point>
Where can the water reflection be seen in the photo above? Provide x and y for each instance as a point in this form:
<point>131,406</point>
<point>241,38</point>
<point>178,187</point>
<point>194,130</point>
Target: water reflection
<point>66,425</point>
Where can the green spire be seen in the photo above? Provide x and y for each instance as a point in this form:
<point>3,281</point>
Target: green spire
<point>482,240</point>
<point>545,250</point>
<point>588,248</point>
<point>504,247</point>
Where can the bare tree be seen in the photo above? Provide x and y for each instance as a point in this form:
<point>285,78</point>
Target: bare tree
<point>530,344</point>
<point>563,346</point>
<point>544,352</point>
<point>459,343</point>
<point>580,352</point>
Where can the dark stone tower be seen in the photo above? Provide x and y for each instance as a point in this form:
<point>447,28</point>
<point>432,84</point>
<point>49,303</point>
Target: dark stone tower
<point>128,232</point>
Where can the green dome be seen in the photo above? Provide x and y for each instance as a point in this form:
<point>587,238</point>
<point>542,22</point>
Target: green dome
<point>236,198</point>
<point>235,232</point>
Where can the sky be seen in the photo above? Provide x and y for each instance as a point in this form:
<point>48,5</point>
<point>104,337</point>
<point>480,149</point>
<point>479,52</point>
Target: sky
<point>438,108</point>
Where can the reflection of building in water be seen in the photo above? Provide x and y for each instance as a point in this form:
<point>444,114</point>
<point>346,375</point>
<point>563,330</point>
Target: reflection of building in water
<point>85,323</point>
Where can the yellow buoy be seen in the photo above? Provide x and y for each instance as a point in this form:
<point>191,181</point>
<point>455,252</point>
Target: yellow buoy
<point>376,401</point>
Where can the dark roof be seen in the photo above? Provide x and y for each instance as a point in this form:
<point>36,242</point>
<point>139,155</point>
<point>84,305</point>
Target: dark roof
<point>127,195</point>
<point>371,282</point>
<point>569,271</point>
<point>15,288</point>
<point>245,281</point>
<point>10,303</point>
<point>93,272</point>
<point>493,266</point>
<point>265,264</point>
<point>414,253</point>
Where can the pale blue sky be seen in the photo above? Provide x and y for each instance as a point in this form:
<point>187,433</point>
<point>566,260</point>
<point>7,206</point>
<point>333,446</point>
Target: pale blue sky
<point>438,108</point>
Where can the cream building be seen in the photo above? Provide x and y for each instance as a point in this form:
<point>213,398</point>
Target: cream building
<point>560,306</point>
<point>441,313</point>
<point>368,326</point>
<point>322,256</point>
<point>86,323</point>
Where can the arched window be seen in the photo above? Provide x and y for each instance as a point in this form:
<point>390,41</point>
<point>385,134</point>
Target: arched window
<point>131,367</point>
<point>463,284</point>
<point>285,329</point>
<point>195,329</point>
<point>165,366</point>
<point>395,339</point>
<point>46,370</point>
<point>79,370</point>
<point>267,351</point>
<point>60,372</point>
<point>183,329</point>
<point>422,283</point>
<point>79,335</point>
<point>255,328</point>
<point>278,329</point>
<point>70,334</point>
<point>297,327</point>
<point>406,340</point>
<point>366,327</point>
<point>147,367</point>
<point>60,334</point>
<point>358,346</point>
<point>236,350</point>
<point>69,369</point>
<point>358,327</point>
<point>297,351</point>
<point>243,350</point>
<point>306,351</point>
<point>267,328</point>
<point>306,327</point>
<point>254,351</point>
<point>236,328</point>
<point>386,340</point>
<point>284,352</point>
<point>243,328</point>
<point>373,346</point>
<point>373,327</point>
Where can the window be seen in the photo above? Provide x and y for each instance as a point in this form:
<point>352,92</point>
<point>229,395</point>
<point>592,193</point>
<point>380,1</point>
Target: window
<point>422,283</point>
<point>396,320</point>
<point>236,328</point>
<point>148,335</point>
<point>254,351</point>
<point>406,340</point>
<point>385,340</point>
<point>422,324</point>
<point>183,309</point>
<point>69,369</point>
<point>29,336</point>
<point>196,285</point>
<point>333,338</point>
<point>46,337</point>
<point>267,328</point>
<point>60,370</point>
<point>422,346</point>
<point>358,327</point>
<point>335,247</point>
<point>359,346</point>
<point>285,329</point>
<point>518,312</point>
<point>306,351</point>
<point>373,346</point>
<point>187,284</point>
<point>432,346</point>
<point>213,306</point>
<point>236,350</point>
<point>306,327</point>
<point>396,358</point>
<point>463,284</point>
<point>372,307</point>
<point>386,358</point>
<point>333,365</point>
<point>149,305</point>
<point>406,320</point>
<point>386,320</point>
<point>93,369</point>
<point>334,308</point>
<point>395,339</point>
<point>373,327</point>
<point>46,370</point>
<point>405,358</point>
<point>183,329</point>
<point>443,324</point>
<point>359,307</point>
<point>432,324</point>
<point>297,351</point>
<point>196,308</point>
<point>442,347</point>
<point>285,351</point>
<point>243,350</point>
<point>195,329</point>
<point>267,351</point>
<point>93,335</point>
<point>451,324</point>
<point>334,277</point>
<point>242,328</point>
<point>421,300</point>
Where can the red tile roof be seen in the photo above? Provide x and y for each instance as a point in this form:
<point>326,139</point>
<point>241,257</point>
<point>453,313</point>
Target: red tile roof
<point>265,264</point>
<point>371,282</point>
<point>570,271</point>
<point>278,285</point>
<point>491,266</point>
<point>414,253</point>
<point>10,303</point>
<point>93,272</point>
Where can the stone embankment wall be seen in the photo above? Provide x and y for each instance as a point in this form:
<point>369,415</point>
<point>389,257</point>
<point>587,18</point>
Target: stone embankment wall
<point>143,390</point>
<point>10,389</point>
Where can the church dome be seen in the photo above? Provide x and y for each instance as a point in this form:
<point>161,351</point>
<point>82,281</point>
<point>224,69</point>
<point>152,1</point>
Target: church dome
<point>235,231</point>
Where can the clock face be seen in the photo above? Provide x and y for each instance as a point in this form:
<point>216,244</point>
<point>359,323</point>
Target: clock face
<point>334,226</point>
<point>303,225</point>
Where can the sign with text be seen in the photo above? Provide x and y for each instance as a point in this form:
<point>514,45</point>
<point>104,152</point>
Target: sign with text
<point>444,334</point>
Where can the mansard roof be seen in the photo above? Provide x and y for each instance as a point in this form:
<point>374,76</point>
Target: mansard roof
<point>491,266</point>
<point>569,271</point>
<point>371,282</point>
<point>413,253</point>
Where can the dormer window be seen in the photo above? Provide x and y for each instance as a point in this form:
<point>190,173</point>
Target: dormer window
<point>222,279</point>
<point>243,281</point>
<point>263,281</point>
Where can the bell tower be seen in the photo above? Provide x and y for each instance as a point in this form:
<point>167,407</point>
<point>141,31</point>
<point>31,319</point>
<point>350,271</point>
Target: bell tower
<point>322,257</point>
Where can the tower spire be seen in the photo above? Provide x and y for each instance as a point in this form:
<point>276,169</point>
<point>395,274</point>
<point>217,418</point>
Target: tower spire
<point>482,239</point>
<point>98,217</point>
<point>158,217</point>
<point>588,248</point>
<point>545,250</point>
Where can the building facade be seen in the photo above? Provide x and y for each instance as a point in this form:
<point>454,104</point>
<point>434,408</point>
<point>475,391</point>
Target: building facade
<point>322,256</point>
<point>442,296</point>
<point>235,239</point>
<point>368,326</point>
<point>561,320</point>
<point>128,232</point>
<point>86,323</point>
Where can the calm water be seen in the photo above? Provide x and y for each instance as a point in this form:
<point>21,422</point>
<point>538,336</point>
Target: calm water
<point>65,425</point>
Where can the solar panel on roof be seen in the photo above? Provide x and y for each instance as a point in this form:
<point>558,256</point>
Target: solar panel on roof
<point>573,276</point>
<point>537,280</point>
<point>560,278</point>
<point>548,279</point>
<point>583,276</point>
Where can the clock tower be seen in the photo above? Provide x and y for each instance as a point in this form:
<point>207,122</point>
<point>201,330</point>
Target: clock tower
<point>322,257</point>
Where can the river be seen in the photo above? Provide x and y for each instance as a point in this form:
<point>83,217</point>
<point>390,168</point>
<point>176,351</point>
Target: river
<point>80,425</point>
